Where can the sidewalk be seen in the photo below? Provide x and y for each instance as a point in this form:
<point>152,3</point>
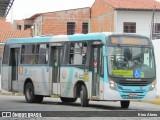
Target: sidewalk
<point>156,101</point>
<point>3,92</point>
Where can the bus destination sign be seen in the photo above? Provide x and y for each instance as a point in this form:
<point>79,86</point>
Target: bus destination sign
<point>129,40</point>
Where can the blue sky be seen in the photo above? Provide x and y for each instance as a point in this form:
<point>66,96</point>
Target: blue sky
<point>22,9</point>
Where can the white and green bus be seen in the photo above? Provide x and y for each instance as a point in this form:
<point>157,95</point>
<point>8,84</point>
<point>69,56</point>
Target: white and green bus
<point>95,66</point>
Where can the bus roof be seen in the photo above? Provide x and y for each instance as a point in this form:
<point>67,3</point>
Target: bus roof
<point>60,38</point>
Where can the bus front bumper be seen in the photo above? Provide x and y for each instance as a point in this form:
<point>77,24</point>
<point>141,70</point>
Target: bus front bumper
<point>129,93</point>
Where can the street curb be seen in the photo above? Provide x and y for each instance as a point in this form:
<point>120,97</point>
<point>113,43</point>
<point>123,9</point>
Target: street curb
<point>3,92</point>
<point>155,101</point>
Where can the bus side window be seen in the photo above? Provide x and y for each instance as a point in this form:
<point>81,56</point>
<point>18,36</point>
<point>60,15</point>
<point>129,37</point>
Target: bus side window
<point>101,63</point>
<point>32,55</point>
<point>84,52</point>
<point>22,54</point>
<point>77,55</point>
<point>37,54</point>
<point>71,53</point>
<point>65,53</point>
<point>27,54</point>
<point>43,53</point>
<point>6,54</point>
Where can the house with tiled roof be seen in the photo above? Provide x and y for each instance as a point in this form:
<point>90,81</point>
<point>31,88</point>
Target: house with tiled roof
<point>122,16</point>
<point>4,35</point>
<point>128,16</point>
<point>7,31</point>
<point>5,26</point>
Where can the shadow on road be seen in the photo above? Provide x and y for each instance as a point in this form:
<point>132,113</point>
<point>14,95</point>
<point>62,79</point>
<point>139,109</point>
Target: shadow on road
<point>90,106</point>
<point>76,104</point>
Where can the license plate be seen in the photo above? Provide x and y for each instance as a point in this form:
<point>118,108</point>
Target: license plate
<point>133,95</point>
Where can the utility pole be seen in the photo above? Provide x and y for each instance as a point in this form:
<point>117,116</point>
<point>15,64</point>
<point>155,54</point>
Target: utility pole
<point>152,24</point>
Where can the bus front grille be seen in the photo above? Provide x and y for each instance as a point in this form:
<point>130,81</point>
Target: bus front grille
<point>133,83</point>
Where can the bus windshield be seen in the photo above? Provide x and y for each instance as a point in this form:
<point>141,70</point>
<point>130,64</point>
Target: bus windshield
<point>131,62</point>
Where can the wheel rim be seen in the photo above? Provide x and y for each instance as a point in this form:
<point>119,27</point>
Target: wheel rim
<point>81,97</point>
<point>29,93</point>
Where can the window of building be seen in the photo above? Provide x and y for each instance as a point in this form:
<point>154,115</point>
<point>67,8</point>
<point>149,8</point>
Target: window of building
<point>129,27</point>
<point>27,26</point>
<point>77,55</point>
<point>6,54</point>
<point>157,27</point>
<point>70,28</point>
<point>85,28</point>
<point>19,27</point>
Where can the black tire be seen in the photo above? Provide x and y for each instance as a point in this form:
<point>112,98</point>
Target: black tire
<point>125,104</point>
<point>29,93</point>
<point>39,98</point>
<point>64,99</point>
<point>84,96</point>
<point>30,96</point>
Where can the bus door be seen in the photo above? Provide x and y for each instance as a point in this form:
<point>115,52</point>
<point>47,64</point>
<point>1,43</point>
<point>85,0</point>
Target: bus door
<point>96,70</point>
<point>56,52</point>
<point>14,58</point>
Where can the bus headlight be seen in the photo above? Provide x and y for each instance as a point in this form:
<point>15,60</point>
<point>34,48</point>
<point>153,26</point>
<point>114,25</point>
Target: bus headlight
<point>112,84</point>
<point>152,85</point>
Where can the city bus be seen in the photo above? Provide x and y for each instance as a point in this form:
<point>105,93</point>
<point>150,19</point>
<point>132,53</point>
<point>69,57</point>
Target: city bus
<point>92,67</point>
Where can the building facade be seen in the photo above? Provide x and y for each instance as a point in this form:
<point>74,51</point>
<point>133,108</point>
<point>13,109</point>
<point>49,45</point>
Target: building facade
<point>22,24</point>
<point>61,22</point>
<point>126,16</point>
<point>122,16</point>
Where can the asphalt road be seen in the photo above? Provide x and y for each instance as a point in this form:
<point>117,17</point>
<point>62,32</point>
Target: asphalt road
<point>18,103</point>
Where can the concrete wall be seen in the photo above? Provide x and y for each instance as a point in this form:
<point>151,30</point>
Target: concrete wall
<point>56,22</point>
<point>102,17</point>
<point>37,26</point>
<point>142,19</point>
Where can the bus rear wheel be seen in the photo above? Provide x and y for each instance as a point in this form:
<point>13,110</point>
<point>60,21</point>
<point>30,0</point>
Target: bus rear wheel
<point>84,96</point>
<point>64,99</point>
<point>30,96</point>
<point>29,93</point>
<point>125,104</point>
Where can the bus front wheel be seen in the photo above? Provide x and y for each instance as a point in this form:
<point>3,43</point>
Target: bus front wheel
<point>84,96</point>
<point>125,104</point>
